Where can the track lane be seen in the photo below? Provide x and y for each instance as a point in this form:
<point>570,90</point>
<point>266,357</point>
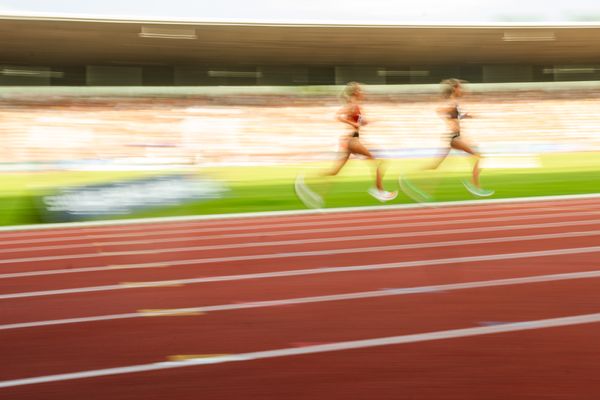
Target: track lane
<point>68,348</point>
<point>421,311</point>
<point>82,236</point>
<point>556,364</point>
<point>263,261</point>
<point>132,299</point>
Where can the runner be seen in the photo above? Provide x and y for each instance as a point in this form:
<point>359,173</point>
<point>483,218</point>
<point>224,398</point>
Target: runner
<point>451,113</point>
<point>351,115</point>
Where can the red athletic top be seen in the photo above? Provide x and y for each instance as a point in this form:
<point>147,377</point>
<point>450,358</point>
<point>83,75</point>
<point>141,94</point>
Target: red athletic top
<point>355,115</point>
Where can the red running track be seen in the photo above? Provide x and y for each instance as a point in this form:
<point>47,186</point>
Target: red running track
<point>492,301</point>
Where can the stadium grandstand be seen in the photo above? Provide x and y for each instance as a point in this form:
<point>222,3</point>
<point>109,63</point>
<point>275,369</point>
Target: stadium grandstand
<point>173,93</point>
<point>99,52</point>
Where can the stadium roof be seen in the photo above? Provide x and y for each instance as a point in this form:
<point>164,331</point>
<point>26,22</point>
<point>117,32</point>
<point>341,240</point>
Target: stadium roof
<point>46,40</point>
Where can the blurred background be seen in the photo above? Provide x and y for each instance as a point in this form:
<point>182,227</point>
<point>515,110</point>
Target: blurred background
<point>112,112</point>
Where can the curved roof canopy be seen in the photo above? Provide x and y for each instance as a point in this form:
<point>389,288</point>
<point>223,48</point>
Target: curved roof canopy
<point>85,41</point>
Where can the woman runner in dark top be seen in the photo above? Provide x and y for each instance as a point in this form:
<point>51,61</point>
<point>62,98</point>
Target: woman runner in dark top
<point>452,90</point>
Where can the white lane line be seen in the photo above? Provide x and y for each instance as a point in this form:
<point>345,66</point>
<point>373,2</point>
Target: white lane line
<point>203,248</point>
<point>312,271</point>
<point>295,254</point>
<point>448,204</point>
<point>315,223</point>
<point>305,241</point>
<point>70,321</point>
<point>317,299</point>
<point>50,229</point>
<point>133,226</point>
<point>315,349</point>
<point>253,228</point>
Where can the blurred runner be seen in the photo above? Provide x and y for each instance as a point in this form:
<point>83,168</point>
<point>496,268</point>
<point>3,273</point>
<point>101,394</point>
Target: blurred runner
<point>452,90</point>
<point>351,115</point>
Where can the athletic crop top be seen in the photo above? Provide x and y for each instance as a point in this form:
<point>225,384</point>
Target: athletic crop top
<point>355,115</point>
<point>455,113</point>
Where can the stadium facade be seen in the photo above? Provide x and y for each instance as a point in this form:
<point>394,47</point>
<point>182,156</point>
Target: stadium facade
<point>51,51</point>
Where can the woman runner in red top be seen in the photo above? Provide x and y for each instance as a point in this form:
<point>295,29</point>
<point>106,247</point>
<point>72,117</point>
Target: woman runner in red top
<point>351,115</point>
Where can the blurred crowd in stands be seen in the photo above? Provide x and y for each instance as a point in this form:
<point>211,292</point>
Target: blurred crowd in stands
<point>269,129</point>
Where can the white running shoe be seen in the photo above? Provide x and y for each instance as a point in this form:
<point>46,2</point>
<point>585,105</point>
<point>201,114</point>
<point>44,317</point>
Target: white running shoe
<point>309,198</point>
<point>413,192</point>
<point>477,191</point>
<point>382,195</point>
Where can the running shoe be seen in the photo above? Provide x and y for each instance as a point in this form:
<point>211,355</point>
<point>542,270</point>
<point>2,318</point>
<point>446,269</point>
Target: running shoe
<point>477,191</point>
<point>413,192</point>
<point>382,195</point>
<point>309,198</point>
